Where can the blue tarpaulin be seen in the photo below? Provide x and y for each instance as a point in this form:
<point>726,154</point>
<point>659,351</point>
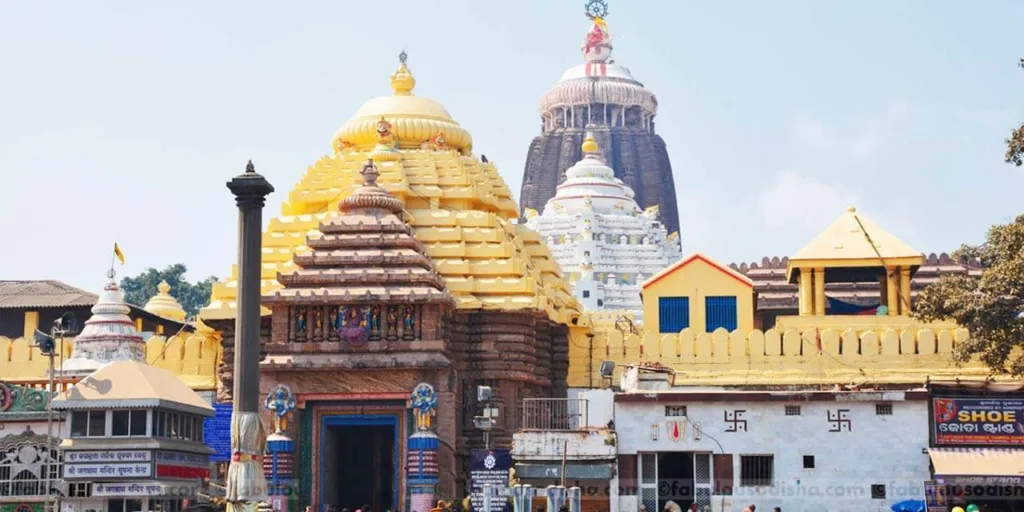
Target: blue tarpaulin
<point>838,307</point>
<point>909,506</point>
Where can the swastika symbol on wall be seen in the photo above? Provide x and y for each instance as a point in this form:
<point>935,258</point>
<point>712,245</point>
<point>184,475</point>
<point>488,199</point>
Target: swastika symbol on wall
<point>839,419</point>
<point>735,421</point>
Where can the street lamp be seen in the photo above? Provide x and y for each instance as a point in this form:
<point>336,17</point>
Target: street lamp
<point>488,415</point>
<point>66,325</point>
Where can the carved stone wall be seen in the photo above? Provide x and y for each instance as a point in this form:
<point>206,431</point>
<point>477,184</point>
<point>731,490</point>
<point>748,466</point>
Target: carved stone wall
<point>639,157</point>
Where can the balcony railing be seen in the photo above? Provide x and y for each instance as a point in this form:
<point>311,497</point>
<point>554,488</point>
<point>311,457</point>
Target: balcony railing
<point>554,414</point>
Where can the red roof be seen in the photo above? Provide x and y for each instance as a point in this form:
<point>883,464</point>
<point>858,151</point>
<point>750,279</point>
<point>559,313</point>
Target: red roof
<point>698,256</point>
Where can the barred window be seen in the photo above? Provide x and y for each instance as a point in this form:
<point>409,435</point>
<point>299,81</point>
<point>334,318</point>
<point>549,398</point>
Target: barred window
<point>883,409</point>
<point>757,470</point>
<point>792,410</point>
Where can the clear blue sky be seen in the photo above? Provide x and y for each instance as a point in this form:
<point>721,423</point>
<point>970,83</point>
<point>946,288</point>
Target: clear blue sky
<point>121,121</point>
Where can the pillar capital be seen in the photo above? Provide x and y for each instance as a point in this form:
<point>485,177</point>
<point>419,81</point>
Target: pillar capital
<point>250,188</point>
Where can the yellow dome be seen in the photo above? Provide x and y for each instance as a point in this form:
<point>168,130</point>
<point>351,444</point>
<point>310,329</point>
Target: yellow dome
<point>164,305</point>
<point>589,144</point>
<point>414,120</point>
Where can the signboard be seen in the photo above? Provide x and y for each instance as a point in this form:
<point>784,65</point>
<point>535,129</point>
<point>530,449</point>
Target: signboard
<point>935,496</point>
<point>217,433</point>
<point>94,471</point>
<point>98,456</point>
<point>978,421</point>
<point>128,489</point>
<point>490,467</point>
<point>182,459</point>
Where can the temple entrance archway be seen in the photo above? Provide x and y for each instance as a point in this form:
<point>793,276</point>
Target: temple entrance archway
<point>359,461</point>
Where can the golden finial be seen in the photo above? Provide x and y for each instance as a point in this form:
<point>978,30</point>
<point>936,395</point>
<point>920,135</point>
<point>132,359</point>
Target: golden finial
<point>402,81</point>
<point>590,145</point>
<point>851,209</point>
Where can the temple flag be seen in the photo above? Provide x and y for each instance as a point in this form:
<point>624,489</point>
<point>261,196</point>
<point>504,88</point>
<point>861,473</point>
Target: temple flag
<point>118,253</point>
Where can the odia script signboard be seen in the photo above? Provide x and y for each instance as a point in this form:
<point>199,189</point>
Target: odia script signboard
<point>100,464</point>
<point>490,467</point>
<point>978,421</point>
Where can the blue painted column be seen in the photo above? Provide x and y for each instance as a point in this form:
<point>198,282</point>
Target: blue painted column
<point>421,467</point>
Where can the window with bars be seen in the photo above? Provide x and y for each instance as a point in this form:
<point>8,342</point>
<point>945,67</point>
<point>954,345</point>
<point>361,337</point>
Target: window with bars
<point>792,410</point>
<point>883,409</point>
<point>720,312</point>
<point>673,314</point>
<point>757,470</point>
<point>675,410</point>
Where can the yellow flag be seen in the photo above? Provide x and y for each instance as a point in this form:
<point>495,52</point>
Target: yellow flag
<point>118,253</point>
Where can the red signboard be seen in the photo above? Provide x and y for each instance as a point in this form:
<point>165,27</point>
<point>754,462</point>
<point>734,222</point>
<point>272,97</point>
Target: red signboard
<point>182,472</point>
<point>978,421</point>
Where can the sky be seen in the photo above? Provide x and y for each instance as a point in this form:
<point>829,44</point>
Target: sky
<point>122,121</point>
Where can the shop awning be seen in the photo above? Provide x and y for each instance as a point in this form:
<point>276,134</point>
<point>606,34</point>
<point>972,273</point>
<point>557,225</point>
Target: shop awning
<point>577,471</point>
<point>1007,463</point>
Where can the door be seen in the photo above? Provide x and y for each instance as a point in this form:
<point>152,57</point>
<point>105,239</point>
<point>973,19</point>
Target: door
<point>649,481</point>
<point>702,480</point>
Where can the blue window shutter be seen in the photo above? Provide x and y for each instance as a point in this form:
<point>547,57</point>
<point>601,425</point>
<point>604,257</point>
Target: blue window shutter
<point>720,312</point>
<point>673,314</point>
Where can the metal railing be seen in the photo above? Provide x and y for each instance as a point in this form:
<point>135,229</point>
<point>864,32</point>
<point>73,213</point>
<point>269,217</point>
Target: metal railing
<point>554,414</point>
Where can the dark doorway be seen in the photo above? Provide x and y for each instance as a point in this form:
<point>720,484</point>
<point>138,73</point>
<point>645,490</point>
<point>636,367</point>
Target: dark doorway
<point>675,479</point>
<point>359,467</point>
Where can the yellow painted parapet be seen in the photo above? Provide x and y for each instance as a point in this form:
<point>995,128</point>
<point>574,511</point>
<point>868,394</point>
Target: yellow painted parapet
<point>777,357</point>
<point>193,357</point>
<point>460,207</point>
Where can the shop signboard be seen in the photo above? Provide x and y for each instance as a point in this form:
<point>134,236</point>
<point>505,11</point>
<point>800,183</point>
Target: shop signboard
<point>111,470</point>
<point>978,421</point>
<point>217,433</point>
<point>490,467</point>
<point>106,456</point>
<point>181,465</point>
<point>132,489</point>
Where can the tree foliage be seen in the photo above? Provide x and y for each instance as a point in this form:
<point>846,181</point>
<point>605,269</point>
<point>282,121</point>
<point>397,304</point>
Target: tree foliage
<point>991,308</point>
<point>192,296</point>
<point>1015,144</point>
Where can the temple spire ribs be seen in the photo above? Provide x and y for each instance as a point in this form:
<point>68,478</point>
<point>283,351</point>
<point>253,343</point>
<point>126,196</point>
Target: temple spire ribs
<point>247,485</point>
<point>602,96</point>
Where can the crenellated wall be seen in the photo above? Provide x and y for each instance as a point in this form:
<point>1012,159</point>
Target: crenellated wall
<point>193,357</point>
<point>779,357</point>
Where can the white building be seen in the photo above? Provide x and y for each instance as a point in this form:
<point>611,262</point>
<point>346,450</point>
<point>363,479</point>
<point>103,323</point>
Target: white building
<point>807,450</point>
<point>133,440</point>
<point>603,241</point>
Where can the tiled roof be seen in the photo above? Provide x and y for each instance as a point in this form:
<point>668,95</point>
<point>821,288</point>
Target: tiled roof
<point>42,294</point>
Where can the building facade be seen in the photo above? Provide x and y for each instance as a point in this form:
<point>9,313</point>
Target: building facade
<point>602,96</point>
<point>396,262</point>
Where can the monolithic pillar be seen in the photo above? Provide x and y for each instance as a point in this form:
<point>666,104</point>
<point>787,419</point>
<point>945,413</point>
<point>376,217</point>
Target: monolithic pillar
<point>246,485</point>
<point>819,292</point>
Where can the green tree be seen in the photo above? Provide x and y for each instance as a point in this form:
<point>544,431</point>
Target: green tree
<point>1015,144</point>
<point>991,308</point>
<point>192,296</point>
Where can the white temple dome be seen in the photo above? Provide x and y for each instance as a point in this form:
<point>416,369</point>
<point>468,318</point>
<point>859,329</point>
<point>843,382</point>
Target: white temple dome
<point>109,335</point>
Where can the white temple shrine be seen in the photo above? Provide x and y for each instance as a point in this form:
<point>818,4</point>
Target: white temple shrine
<point>606,245</point>
<point>109,335</point>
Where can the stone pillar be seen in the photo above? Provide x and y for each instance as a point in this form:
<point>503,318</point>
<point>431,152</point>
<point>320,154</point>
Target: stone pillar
<point>804,280</point>
<point>891,296</point>
<point>819,292</point>
<point>246,484</point>
<point>905,291</point>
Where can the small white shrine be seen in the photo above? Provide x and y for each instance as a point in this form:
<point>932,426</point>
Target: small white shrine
<point>606,245</point>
